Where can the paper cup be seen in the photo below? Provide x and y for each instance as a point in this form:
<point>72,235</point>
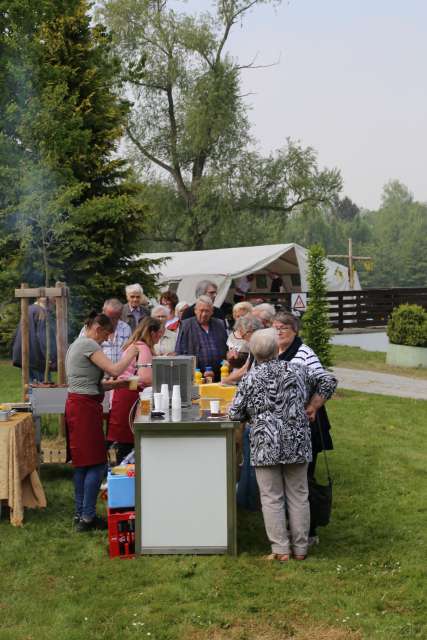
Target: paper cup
<point>214,406</point>
<point>158,402</point>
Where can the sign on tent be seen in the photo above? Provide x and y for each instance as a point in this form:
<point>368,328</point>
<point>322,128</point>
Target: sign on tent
<point>299,302</point>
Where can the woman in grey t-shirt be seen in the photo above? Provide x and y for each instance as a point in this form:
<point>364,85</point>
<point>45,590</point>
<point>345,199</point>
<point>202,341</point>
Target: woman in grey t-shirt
<point>85,366</point>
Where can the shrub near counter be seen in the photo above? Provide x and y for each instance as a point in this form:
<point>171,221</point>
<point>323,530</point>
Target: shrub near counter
<point>407,333</point>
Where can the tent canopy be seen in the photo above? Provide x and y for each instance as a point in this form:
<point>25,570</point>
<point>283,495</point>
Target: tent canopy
<point>222,266</point>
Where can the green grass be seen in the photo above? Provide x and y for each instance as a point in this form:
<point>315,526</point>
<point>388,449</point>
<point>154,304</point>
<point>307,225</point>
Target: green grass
<point>364,580</point>
<point>357,358</point>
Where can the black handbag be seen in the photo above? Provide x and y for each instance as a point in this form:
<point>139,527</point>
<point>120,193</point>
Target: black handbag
<point>320,495</point>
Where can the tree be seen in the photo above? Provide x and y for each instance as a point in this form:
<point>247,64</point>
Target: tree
<point>73,207</point>
<point>316,328</point>
<point>189,126</point>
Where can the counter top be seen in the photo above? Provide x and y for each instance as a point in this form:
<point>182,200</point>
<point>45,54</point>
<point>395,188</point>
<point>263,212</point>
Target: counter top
<point>190,416</point>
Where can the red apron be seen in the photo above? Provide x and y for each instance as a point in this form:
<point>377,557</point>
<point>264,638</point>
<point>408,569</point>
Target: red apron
<point>83,415</point>
<point>118,422</point>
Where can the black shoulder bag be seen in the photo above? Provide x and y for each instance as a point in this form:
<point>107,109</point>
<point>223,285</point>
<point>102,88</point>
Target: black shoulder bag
<point>320,495</point>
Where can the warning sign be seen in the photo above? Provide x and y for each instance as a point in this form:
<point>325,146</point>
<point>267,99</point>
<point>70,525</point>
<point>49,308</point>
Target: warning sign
<point>299,302</point>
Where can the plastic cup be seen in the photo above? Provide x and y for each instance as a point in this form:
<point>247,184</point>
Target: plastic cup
<point>214,406</point>
<point>145,406</point>
<point>133,383</point>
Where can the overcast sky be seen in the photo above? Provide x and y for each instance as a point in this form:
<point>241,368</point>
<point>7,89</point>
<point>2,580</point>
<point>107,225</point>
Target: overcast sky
<point>351,82</point>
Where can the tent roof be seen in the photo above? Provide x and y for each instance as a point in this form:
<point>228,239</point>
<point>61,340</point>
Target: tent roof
<point>232,262</point>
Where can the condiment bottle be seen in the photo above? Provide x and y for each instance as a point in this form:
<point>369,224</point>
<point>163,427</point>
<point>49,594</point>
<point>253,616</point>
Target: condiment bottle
<point>209,374</point>
<point>198,378</point>
<point>225,371</point>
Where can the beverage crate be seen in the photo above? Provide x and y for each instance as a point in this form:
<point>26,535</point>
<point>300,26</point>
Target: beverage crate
<point>121,533</point>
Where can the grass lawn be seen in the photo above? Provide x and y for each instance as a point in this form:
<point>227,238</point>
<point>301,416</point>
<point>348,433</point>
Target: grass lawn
<point>365,580</point>
<point>357,358</point>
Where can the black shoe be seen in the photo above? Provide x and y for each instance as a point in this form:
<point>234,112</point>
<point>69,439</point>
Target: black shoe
<point>96,523</point>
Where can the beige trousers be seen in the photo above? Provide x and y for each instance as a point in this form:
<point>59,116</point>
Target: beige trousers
<point>277,484</point>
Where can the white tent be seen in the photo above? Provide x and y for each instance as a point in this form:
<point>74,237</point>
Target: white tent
<point>185,269</point>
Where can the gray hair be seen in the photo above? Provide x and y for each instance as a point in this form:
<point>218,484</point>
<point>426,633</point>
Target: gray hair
<point>203,286</point>
<point>134,287</point>
<point>113,303</point>
<point>287,318</point>
<point>265,311</point>
<point>159,307</point>
<point>263,345</point>
<point>248,323</point>
<point>205,300</point>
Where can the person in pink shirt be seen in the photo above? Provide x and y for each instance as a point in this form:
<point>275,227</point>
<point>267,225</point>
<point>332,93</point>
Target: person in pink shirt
<point>145,336</point>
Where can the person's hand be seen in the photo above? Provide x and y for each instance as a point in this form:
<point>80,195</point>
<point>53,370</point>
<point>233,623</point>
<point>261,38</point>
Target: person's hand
<point>311,412</point>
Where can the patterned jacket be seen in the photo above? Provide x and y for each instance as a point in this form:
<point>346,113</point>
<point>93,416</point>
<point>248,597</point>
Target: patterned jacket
<point>272,397</point>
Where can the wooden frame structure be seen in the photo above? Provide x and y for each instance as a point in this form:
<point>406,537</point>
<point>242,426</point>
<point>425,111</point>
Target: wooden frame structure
<point>60,293</point>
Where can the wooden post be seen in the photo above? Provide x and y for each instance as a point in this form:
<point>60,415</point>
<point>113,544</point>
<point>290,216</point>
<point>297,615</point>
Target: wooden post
<point>61,337</point>
<point>350,264</point>
<point>25,345</point>
<point>61,341</point>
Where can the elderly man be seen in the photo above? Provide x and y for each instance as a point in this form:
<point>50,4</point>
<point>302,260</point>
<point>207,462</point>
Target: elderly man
<point>204,288</point>
<point>204,337</point>
<point>134,311</point>
<point>264,312</point>
<point>112,347</point>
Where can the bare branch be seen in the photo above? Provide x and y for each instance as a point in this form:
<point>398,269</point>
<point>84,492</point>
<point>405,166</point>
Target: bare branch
<point>252,64</point>
<point>229,23</point>
<point>149,155</point>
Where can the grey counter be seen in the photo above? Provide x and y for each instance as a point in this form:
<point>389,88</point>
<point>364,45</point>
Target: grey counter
<point>185,485</point>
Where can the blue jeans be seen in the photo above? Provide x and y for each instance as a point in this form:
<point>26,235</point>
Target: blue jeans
<point>38,376</point>
<point>87,481</point>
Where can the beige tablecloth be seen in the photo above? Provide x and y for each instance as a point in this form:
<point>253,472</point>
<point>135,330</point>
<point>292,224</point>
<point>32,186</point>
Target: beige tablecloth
<point>19,481</point>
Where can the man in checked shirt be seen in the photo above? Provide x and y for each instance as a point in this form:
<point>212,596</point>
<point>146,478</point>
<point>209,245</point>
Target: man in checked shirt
<point>112,347</point>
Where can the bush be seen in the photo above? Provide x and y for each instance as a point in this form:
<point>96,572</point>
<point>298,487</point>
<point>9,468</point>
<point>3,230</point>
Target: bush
<point>407,325</point>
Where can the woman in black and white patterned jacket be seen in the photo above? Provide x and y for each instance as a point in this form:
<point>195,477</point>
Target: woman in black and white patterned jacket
<point>278,399</point>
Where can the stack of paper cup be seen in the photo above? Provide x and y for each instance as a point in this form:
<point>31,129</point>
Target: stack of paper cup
<point>158,402</point>
<point>176,403</point>
<point>165,395</point>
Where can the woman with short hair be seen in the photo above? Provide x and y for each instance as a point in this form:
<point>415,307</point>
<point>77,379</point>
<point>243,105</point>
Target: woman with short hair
<point>85,365</point>
<point>278,399</point>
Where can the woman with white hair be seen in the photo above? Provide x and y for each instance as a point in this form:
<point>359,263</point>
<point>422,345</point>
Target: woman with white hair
<point>238,340</point>
<point>278,399</point>
<point>166,345</point>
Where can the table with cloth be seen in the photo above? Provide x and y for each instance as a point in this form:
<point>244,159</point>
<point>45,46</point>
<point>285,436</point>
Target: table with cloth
<point>19,481</point>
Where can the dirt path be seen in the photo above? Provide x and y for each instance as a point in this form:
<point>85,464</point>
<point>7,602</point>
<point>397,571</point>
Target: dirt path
<point>383,383</point>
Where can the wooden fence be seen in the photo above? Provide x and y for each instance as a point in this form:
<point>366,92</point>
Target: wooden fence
<point>366,308</point>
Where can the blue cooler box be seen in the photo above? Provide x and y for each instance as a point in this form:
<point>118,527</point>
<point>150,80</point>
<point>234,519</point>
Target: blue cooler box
<point>121,491</point>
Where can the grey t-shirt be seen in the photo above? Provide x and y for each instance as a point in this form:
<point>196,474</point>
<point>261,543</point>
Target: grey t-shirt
<point>82,374</point>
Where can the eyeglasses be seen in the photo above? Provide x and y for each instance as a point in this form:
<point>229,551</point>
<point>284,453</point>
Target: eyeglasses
<point>283,329</point>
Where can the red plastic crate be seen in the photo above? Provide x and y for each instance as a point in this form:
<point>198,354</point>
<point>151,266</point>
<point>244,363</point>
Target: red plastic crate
<point>121,533</point>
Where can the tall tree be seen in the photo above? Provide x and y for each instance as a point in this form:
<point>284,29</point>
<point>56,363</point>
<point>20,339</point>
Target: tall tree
<point>62,121</point>
<point>189,122</point>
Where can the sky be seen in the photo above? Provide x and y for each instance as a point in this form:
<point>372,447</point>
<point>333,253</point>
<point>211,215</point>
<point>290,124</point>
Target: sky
<point>350,81</point>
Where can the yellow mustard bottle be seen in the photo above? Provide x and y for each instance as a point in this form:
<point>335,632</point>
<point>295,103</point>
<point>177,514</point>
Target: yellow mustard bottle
<point>225,371</point>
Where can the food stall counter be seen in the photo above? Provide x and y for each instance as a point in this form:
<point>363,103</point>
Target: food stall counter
<point>185,484</point>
